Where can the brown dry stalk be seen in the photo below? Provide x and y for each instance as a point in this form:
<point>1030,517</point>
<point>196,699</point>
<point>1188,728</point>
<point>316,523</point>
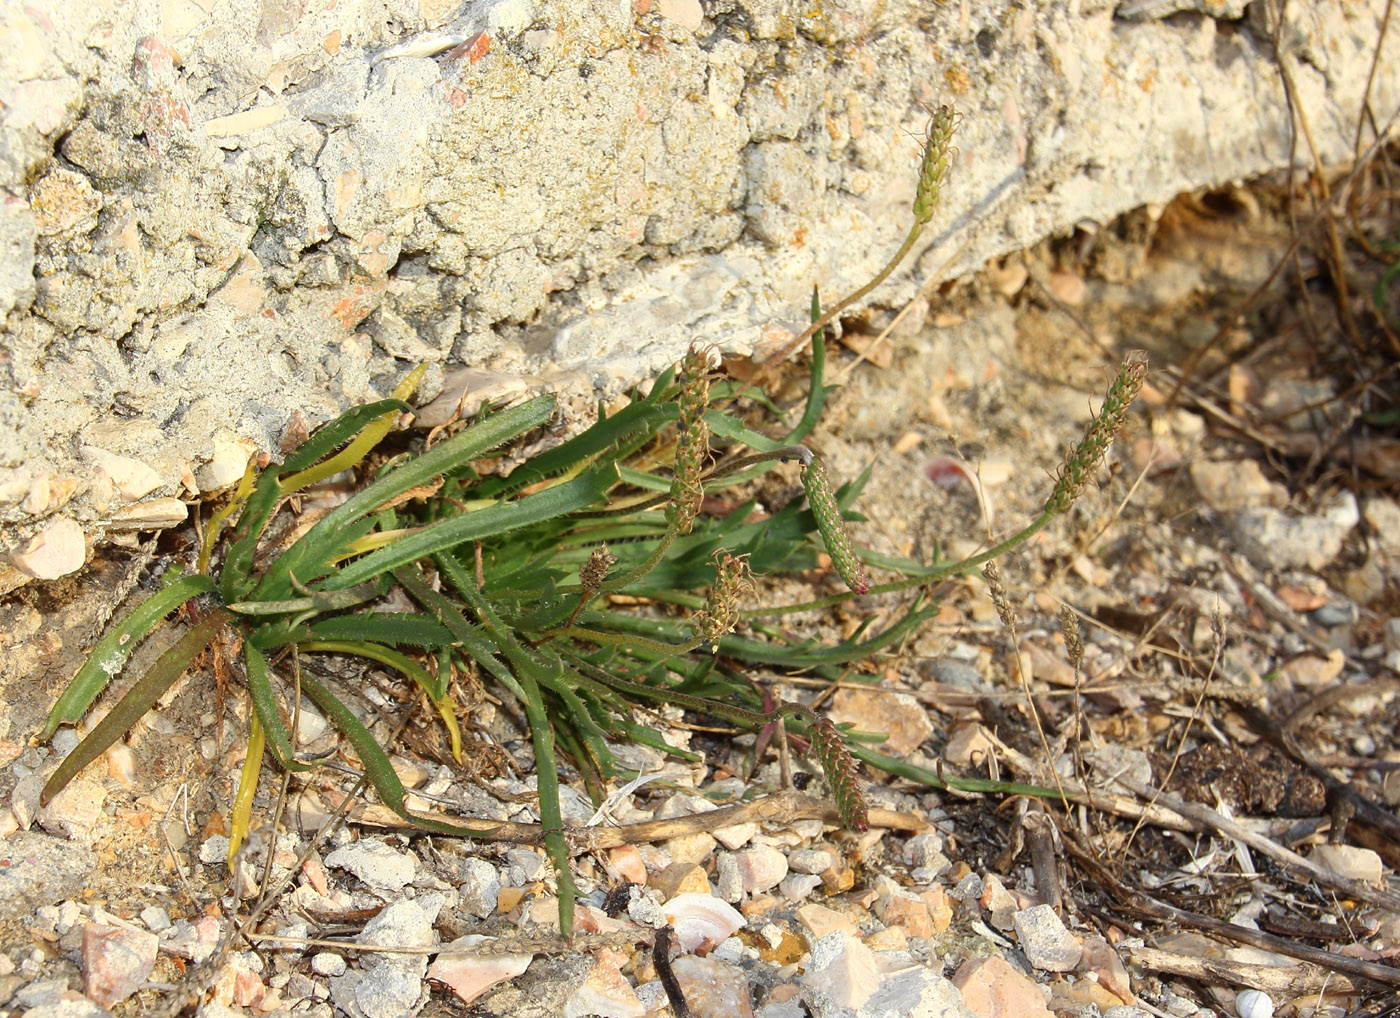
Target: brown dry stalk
<point>1231,829</point>
<point>1276,980</point>
<point>778,808</point>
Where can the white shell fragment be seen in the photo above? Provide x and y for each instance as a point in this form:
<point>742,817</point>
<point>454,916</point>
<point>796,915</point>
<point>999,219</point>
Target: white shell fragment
<point>702,919</point>
<point>1254,1004</point>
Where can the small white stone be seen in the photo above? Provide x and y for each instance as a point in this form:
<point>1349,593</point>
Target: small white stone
<point>1046,943</point>
<point>810,860</point>
<point>843,969</point>
<point>381,867</point>
<point>760,868</point>
<point>328,963</point>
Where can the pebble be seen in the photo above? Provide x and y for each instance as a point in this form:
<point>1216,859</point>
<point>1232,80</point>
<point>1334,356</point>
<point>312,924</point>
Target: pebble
<point>391,985</point>
<point>480,887</point>
<point>992,988</point>
<point>761,868</point>
<point>604,992</point>
<point>468,973</point>
<point>155,918</point>
<point>737,836</point>
<point>821,921</point>
<point>1336,613</point>
<point>1102,961</point>
<point>968,746</point>
<point>1113,761</point>
<point>69,1006</point>
<point>1351,862</point>
<point>1001,906</point>
<point>1272,539</point>
<point>384,869</point>
<point>729,884</point>
<point>968,888</point>
<point>116,961</point>
<point>525,866</point>
<point>842,970</point>
<point>713,988</point>
<point>57,550</point>
<point>1046,943</point>
<point>691,847</point>
<point>681,878</point>
<point>1228,487</point>
<point>328,963</point>
<point>192,941</point>
<point>644,910</point>
<point>810,860</point>
<point>901,717</point>
<point>626,862</point>
<point>907,912</point>
<point>914,991</point>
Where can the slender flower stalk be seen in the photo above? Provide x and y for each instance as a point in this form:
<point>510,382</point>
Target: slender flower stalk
<point>934,166</point>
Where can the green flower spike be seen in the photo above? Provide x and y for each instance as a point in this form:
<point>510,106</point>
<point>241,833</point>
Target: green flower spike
<point>832,526</point>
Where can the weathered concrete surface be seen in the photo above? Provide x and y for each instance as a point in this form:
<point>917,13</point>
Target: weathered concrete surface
<point>214,215</point>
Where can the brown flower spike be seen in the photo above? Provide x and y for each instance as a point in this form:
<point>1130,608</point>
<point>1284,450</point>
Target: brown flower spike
<point>693,446</point>
<point>840,771</point>
<point>721,611</point>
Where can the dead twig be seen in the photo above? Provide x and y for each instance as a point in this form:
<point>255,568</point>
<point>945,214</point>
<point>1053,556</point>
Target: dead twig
<point>1284,856</point>
<point>1135,900</point>
<point>1277,981</point>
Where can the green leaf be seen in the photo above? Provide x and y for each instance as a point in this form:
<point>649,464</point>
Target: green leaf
<point>375,652</point>
<point>138,700</point>
<point>378,770</point>
<point>110,655</point>
<point>265,707</point>
<point>313,551</point>
<point>583,491</point>
<point>330,437</point>
<point>396,628</point>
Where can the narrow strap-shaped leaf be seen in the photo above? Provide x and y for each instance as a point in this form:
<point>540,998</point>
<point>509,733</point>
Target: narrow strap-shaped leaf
<point>112,651</point>
<point>395,628</point>
<point>331,436</point>
<point>265,709</point>
<point>638,418</point>
<point>816,391</point>
<point>527,670</point>
<point>318,545</point>
<point>581,492</point>
<point>242,812</point>
<point>378,770</point>
<point>645,417</point>
<point>382,654</point>
<point>138,700</point>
